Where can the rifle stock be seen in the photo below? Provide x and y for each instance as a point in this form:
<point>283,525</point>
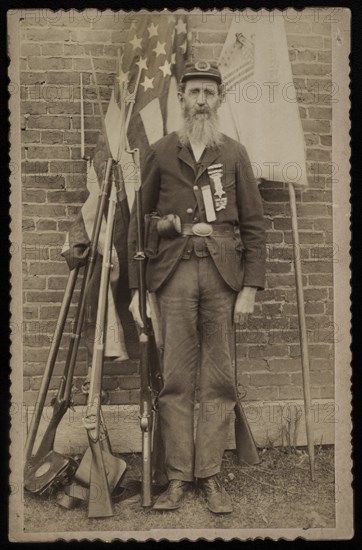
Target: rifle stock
<point>100,503</point>
<point>158,450</point>
<point>49,368</point>
<point>60,407</point>
<point>146,412</point>
<point>146,422</point>
<point>246,450</point>
<point>245,445</point>
<point>158,453</point>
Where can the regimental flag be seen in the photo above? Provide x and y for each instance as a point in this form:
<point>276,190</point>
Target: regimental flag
<point>75,249</point>
<point>144,92</point>
<point>261,107</point>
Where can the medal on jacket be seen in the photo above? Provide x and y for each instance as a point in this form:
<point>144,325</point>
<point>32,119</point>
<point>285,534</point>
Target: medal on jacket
<point>208,203</point>
<point>215,174</point>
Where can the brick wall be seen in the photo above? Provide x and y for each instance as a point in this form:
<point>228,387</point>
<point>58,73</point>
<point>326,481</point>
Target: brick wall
<point>53,52</point>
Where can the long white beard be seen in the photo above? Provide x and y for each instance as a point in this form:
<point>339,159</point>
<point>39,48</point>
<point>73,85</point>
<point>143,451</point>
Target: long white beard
<point>200,128</point>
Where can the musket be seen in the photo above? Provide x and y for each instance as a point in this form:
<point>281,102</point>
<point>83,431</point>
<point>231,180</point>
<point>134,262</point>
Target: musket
<point>246,450</point>
<point>99,469</point>
<point>155,360</point>
<point>49,367</point>
<point>100,503</point>
<point>146,412</point>
<point>61,402</point>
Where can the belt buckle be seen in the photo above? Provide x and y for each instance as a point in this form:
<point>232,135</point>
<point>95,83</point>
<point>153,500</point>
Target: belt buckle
<point>202,229</point>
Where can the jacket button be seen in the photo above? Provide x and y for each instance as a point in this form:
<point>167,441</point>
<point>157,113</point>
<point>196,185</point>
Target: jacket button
<point>195,188</point>
<point>189,211</point>
<point>195,219</point>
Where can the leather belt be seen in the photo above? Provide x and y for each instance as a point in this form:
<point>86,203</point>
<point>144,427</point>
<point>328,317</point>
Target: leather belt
<point>206,229</point>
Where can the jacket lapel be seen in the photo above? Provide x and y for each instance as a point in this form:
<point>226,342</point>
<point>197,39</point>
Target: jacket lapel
<point>185,155</point>
<point>209,156</point>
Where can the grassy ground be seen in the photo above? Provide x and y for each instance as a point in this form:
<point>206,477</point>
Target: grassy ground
<point>278,493</point>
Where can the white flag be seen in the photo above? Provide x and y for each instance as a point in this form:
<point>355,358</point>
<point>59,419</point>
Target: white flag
<point>261,109</point>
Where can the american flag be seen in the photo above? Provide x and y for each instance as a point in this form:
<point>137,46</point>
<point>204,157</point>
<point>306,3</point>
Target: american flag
<point>144,92</point>
<point>153,61</point>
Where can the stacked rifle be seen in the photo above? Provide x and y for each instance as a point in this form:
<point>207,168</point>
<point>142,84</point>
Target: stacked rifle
<point>99,471</point>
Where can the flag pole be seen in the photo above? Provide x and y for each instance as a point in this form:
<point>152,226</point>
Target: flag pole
<point>132,101</point>
<point>122,97</point>
<point>302,329</point>
<point>126,101</point>
<point>103,122</point>
<point>82,144</point>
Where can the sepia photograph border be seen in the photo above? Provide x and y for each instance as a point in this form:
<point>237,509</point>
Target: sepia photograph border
<point>341,276</point>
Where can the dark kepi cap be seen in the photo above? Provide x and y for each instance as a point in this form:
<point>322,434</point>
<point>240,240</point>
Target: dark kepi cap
<point>201,69</point>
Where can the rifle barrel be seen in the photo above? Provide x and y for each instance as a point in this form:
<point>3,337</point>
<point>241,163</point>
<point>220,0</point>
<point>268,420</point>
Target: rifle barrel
<point>146,411</point>
<point>49,367</point>
<point>100,505</point>
<point>88,272</point>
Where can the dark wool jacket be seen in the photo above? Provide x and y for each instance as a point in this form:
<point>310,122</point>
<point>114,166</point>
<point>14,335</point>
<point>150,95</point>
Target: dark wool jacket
<point>171,184</point>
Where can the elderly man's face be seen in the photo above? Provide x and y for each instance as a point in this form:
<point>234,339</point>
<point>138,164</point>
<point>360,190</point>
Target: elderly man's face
<point>201,96</point>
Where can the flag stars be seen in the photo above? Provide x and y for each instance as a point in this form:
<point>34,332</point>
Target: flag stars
<point>166,68</point>
<point>147,83</point>
<point>152,30</point>
<point>142,63</point>
<point>160,48</point>
<point>136,42</point>
<point>180,27</point>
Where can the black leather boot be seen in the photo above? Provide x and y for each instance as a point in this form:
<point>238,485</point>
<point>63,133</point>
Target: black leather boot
<point>218,501</point>
<point>171,499</point>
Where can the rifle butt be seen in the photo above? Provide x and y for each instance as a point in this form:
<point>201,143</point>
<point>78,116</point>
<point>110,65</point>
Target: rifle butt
<point>146,495</point>
<point>158,454</point>
<point>47,443</point>
<point>245,445</point>
<point>100,502</point>
<point>115,468</point>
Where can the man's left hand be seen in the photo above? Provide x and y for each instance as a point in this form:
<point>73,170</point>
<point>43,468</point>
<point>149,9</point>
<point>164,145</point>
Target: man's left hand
<point>244,305</point>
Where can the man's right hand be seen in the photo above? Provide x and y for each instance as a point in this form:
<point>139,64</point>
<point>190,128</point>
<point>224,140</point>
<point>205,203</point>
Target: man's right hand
<point>134,308</point>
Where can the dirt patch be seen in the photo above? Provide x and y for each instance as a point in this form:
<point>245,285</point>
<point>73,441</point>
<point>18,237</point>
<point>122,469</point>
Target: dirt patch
<point>278,493</point>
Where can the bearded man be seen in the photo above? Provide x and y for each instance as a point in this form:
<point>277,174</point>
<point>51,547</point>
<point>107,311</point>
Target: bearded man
<point>205,262</point>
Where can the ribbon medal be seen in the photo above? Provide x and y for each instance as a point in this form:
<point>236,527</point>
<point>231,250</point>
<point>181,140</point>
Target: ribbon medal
<point>215,174</point>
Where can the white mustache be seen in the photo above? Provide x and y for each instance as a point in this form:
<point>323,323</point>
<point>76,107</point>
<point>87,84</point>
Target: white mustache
<point>201,110</point>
